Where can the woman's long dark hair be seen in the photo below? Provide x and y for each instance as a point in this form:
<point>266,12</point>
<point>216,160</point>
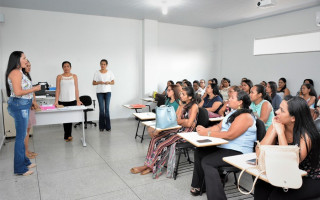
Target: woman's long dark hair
<point>175,92</point>
<point>244,97</point>
<point>190,92</point>
<point>309,80</point>
<point>304,126</point>
<point>248,82</point>
<point>312,92</point>
<point>215,90</point>
<point>285,84</point>
<point>13,63</point>
<point>261,89</point>
<point>27,73</point>
<point>273,86</point>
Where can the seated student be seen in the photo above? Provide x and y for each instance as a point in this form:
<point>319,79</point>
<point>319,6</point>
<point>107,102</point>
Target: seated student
<point>225,84</point>
<point>179,84</point>
<point>306,81</point>
<point>170,82</point>
<point>187,84</point>
<point>213,101</point>
<point>282,88</point>
<point>225,109</point>
<point>293,125</point>
<point>173,97</point>
<point>198,90</point>
<point>203,84</point>
<point>241,81</point>
<point>271,90</point>
<point>239,128</point>
<point>309,94</point>
<point>210,82</point>
<point>215,81</point>
<point>160,144</point>
<point>246,85</point>
<point>260,105</point>
<point>263,83</point>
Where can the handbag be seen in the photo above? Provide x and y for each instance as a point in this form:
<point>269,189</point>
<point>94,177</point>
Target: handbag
<point>280,164</point>
<point>165,117</point>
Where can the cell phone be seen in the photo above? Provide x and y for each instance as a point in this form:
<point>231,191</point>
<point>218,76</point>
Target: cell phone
<point>204,141</point>
<point>252,161</point>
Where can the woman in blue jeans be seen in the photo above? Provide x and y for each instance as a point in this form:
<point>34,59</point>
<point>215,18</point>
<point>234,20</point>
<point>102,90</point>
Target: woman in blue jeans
<point>20,90</point>
<point>103,79</point>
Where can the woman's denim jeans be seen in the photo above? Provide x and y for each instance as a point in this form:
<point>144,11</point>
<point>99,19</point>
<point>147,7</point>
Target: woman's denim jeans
<point>19,109</point>
<point>104,116</point>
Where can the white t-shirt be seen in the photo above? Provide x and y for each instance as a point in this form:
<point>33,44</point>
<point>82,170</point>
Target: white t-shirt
<point>200,91</point>
<point>98,76</point>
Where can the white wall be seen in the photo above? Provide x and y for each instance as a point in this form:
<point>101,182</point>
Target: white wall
<point>49,38</point>
<point>186,52</point>
<point>237,58</point>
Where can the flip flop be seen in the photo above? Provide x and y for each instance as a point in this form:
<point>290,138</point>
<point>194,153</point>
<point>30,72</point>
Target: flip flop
<point>27,173</point>
<point>147,171</point>
<point>135,170</point>
<point>32,165</point>
<point>33,153</point>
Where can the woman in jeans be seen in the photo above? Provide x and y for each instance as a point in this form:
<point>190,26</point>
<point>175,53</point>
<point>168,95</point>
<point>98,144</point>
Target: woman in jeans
<point>67,94</point>
<point>20,91</point>
<point>103,79</point>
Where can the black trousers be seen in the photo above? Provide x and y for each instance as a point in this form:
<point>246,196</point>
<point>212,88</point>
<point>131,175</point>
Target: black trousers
<point>310,189</point>
<point>67,126</point>
<point>207,160</point>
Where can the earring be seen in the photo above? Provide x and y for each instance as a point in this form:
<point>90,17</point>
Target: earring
<point>239,107</point>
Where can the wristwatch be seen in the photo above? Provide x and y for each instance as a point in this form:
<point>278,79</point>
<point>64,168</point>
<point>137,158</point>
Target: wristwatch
<point>209,133</point>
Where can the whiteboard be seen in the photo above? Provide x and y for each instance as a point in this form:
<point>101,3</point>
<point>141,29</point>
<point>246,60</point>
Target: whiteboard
<point>306,42</point>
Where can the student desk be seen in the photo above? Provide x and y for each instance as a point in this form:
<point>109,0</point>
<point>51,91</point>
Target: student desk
<point>239,161</point>
<point>66,114</point>
<point>143,117</point>
<point>149,99</point>
<point>152,124</point>
<point>194,138</point>
<point>135,108</point>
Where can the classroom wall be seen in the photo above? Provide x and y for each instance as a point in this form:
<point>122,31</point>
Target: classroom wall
<point>237,60</point>
<point>48,38</point>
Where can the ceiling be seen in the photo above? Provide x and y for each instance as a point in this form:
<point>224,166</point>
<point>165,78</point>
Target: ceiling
<point>202,13</point>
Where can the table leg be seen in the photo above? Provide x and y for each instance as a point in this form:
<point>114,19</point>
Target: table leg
<point>137,129</point>
<point>83,139</point>
<point>144,128</point>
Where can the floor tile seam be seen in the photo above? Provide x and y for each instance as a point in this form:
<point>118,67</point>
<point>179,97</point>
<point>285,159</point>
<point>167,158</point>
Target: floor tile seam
<point>65,170</point>
<point>115,172</point>
<point>104,193</point>
<point>36,169</point>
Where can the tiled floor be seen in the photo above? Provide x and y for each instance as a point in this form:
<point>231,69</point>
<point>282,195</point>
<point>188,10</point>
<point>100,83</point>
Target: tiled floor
<point>98,171</point>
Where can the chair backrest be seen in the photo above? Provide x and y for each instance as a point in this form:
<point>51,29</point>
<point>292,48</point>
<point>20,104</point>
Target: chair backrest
<point>86,100</point>
<point>261,129</point>
<point>203,117</point>
<point>317,123</point>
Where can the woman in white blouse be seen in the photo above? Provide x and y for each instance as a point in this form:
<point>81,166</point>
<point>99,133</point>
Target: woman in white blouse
<point>103,79</point>
<point>67,94</point>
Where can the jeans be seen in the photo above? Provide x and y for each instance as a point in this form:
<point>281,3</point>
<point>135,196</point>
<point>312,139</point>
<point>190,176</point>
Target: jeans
<point>19,109</point>
<point>104,116</point>
<point>67,127</point>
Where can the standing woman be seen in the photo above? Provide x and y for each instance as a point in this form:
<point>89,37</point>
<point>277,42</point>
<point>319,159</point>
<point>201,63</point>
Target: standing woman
<point>282,88</point>
<point>20,90</point>
<point>67,94</point>
<point>32,114</point>
<point>103,79</point>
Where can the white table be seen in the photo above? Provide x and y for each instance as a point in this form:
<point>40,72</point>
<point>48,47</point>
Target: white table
<point>67,114</point>
<point>239,161</point>
<point>149,99</point>
<point>143,117</point>
<point>194,137</point>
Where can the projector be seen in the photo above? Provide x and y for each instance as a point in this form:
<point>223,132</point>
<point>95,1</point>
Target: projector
<point>266,3</point>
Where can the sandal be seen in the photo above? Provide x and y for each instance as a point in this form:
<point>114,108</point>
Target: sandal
<point>30,156</point>
<point>33,153</point>
<point>70,139</point>
<point>135,170</point>
<point>32,165</point>
<point>195,191</point>
<point>146,171</point>
<point>27,173</point>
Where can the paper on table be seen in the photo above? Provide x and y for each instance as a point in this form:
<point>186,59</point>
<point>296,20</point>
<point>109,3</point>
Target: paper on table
<point>192,137</point>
